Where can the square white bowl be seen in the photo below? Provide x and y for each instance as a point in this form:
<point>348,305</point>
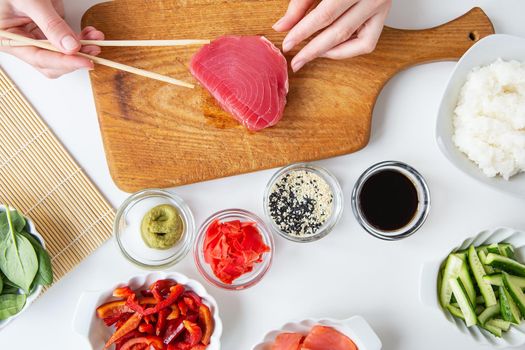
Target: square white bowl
<point>355,327</point>
<point>484,52</point>
<point>88,325</point>
<point>428,287</point>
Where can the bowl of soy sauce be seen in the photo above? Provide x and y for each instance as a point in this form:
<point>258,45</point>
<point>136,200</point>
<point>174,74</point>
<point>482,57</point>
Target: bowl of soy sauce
<point>391,200</point>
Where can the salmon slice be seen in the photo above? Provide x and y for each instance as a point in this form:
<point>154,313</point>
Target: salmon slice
<point>327,338</point>
<point>288,341</point>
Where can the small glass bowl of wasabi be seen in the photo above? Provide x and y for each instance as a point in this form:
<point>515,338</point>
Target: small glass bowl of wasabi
<point>128,229</point>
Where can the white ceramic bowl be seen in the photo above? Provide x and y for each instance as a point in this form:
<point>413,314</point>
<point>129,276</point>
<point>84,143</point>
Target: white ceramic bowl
<point>356,328</point>
<point>484,52</point>
<point>31,297</point>
<point>429,279</point>
<point>87,324</point>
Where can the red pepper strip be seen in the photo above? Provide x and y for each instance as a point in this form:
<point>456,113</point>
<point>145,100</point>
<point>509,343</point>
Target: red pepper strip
<point>122,292</point>
<point>161,288</point>
<point>199,347</point>
<point>147,328</point>
<point>125,338</point>
<point>194,331</point>
<point>175,292</point>
<point>183,307</point>
<point>162,320</point>
<point>197,299</point>
<point>173,331</point>
<point>156,342</point>
<point>131,324</point>
<point>175,312</point>
<point>112,309</point>
<point>206,321</point>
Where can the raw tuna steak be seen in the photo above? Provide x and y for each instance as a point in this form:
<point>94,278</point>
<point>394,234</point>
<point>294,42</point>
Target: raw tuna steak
<point>288,341</point>
<point>247,75</point>
<point>324,338</point>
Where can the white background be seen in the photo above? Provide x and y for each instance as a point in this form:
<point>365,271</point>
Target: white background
<point>346,273</point>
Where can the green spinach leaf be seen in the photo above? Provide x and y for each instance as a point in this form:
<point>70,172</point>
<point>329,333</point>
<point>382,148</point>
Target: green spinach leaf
<point>18,260</point>
<point>11,304</point>
<point>44,275</point>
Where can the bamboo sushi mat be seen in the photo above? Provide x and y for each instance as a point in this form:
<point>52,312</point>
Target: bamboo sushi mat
<point>41,179</point>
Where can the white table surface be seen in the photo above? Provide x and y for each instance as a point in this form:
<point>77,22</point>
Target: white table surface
<point>344,274</point>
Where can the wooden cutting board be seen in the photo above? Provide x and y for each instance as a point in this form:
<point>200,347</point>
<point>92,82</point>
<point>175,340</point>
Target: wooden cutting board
<point>159,135</point>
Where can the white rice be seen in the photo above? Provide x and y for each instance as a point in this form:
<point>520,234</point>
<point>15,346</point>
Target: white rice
<point>489,120</point>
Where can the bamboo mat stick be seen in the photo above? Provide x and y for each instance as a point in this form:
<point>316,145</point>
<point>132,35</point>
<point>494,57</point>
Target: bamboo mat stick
<point>120,43</point>
<point>99,60</point>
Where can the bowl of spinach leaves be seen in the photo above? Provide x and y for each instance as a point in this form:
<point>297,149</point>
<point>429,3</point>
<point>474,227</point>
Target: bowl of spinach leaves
<point>25,266</point>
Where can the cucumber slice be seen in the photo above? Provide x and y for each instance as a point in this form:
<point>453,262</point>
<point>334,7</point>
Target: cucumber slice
<point>509,310</point>
<point>493,329</point>
<point>507,250</point>
<point>489,313</point>
<point>480,300</point>
<point>506,264</point>
<point>498,322</point>
<point>483,258</point>
<point>455,311</point>
<point>493,248</point>
<point>478,271</point>
<point>497,280</point>
<point>451,271</point>
<point>494,279</point>
<point>515,292</point>
<point>466,281</point>
<point>463,301</point>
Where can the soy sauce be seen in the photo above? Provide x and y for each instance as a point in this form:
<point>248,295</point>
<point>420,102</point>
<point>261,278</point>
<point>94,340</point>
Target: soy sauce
<point>388,200</point>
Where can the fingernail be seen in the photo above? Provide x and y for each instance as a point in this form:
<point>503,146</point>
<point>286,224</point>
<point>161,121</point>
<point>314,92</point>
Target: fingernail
<point>69,43</point>
<point>297,65</point>
<point>287,45</point>
<point>278,23</point>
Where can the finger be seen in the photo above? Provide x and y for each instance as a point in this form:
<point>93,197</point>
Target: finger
<point>296,10</point>
<point>52,25</point>
<point>45,60</point>
<point>91,33</point>
<point>340,31</point>
<point>363,44</point>
<point>322,16</point>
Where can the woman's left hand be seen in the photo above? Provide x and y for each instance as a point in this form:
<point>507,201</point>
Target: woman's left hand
<point>348,28</point>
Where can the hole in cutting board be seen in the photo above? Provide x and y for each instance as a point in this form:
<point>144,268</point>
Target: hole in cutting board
<point>474,36</point>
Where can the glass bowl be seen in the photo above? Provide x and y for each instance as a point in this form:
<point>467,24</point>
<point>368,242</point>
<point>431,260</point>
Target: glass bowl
<point>423,195</point>
<point>337,209</point>
<point>126,229</point>
<point>249,279</point>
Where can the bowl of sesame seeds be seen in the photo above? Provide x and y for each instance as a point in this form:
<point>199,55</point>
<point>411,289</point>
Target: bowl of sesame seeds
<point>303,202</point>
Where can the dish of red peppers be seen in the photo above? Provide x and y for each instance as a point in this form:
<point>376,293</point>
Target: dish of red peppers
<point>166,316</point>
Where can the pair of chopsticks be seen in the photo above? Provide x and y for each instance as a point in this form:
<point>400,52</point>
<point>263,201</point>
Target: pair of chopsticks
<point>19,40</point>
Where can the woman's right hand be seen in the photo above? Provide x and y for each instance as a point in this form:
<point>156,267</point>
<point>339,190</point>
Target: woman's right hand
<point>42,19</point>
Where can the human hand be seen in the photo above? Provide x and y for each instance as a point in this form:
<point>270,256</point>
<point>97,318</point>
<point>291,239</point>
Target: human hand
<point>42,19</point>
<point>348,28</point>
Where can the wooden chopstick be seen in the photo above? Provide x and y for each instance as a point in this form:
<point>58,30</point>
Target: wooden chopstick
<point>98,60</point>
<point>121,43</point>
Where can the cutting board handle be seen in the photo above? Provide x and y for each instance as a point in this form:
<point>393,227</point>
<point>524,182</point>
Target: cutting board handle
<point>448,41</point>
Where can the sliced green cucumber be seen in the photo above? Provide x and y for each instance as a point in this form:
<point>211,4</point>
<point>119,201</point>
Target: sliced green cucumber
<point>483,258</point>
<point>455,311</point>
<point>493,248</point>
<point>463,301</point>
<point>495,279</point>
<point>506,264</point>
<point>515,292</point>
<point>493,329</point>
<point>498,322</point>
<point>507,250</point>
<point>466,281</point>
<point>451,271</point>
<point>478,271</point>
<point>488,313</point>
<point>509,310</point>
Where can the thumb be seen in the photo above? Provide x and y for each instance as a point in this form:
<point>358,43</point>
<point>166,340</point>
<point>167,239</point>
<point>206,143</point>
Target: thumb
<point>53,26</point>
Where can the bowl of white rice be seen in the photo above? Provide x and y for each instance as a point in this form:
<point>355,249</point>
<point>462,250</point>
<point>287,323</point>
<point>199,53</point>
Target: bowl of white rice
<point>481,119</point>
